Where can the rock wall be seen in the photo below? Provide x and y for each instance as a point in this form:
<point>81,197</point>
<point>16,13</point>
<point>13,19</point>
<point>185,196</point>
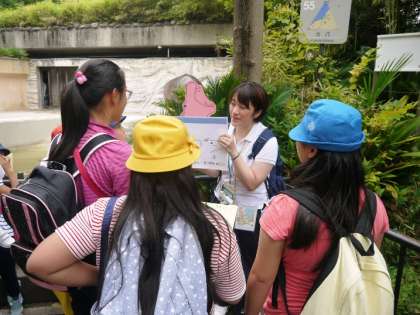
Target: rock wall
<point>145,77</point>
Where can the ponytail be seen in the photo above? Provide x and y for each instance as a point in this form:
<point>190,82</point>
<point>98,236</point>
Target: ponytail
<point>74,119</point>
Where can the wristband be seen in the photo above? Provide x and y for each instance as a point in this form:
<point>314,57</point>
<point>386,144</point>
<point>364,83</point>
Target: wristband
<point>234,158</point>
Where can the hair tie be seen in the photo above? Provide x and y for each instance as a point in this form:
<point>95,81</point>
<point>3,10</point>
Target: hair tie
<point>80,77</point>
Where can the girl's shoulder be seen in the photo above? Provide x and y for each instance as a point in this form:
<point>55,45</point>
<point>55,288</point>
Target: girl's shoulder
<point>279,217</point>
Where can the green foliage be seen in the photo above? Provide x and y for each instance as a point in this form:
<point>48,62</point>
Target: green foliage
<point>373,87</point>
<point>408,303</point>
<point>13,53</point>
<point>174,106</point>
<point>68,12</point>
<point>286,59</point>
<point>219,91</point>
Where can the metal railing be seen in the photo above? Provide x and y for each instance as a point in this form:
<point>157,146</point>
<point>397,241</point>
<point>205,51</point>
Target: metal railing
<point>405,243</point>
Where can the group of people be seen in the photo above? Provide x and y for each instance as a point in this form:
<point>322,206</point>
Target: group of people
<point>168,252</point>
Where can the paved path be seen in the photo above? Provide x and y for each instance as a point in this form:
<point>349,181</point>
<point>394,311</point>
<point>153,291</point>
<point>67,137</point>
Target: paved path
<point>38,309</point>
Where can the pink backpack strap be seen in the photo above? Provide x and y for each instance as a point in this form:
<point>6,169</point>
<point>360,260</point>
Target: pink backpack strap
<point>85,175</point>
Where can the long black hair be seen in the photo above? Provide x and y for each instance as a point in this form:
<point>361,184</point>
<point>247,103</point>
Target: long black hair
<point>153,201</point>
<point>77,100</point>
<point>336,177</point>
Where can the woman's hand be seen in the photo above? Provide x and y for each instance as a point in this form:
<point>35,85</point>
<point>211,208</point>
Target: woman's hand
<point>5,163</point>
<point>8,170</point>
<point>228,143</point>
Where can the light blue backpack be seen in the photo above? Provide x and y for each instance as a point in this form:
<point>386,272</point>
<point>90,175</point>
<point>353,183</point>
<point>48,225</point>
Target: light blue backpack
<point>182,288</point>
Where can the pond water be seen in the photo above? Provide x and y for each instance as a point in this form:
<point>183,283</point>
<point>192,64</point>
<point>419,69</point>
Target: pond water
<point>25,158</point>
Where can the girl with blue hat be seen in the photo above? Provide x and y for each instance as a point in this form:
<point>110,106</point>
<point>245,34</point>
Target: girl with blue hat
<point>328,141</point>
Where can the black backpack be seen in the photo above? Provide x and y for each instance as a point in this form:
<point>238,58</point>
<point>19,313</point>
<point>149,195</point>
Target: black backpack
<point>44,201</point>
<point>274,182</point>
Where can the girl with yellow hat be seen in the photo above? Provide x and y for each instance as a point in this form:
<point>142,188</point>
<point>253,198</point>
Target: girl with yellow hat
<point>168,253</point>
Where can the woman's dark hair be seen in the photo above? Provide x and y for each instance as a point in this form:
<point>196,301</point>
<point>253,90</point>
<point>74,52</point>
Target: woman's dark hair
<point>77,100</point>
<point>154,200</point>
<point>252,93</point>
<point>336,178</point>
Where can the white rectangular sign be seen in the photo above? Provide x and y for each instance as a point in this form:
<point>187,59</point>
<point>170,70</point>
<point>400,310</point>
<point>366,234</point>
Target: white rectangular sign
<point>392,47</point>
<point>325,21</point>
<point>206,132</point>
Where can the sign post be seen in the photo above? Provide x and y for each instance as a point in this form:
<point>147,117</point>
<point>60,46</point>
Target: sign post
<point>325,21</point>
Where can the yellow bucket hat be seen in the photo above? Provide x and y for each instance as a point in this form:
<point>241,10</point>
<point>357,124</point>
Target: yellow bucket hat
<point>161,144</point>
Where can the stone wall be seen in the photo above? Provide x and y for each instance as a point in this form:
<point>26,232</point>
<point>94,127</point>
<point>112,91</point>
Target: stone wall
<point>145,77</point>
<point>13,75</point>
<point>115,36</point>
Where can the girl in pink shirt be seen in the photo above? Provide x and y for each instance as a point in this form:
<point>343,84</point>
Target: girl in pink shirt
<point>90,104</point>
<point>328,141</point>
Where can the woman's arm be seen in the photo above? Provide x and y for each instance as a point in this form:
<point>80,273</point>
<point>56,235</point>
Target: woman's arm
<point>250,177</point>
<point>53,262</point>
<point>263,272</point>
<point>211,173</point>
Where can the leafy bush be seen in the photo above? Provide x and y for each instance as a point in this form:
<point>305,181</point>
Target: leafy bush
<point>68,12</point>
<point>13,53</point>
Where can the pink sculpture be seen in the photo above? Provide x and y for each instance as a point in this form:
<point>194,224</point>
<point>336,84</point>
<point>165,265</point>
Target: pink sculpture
<point>196,102</point>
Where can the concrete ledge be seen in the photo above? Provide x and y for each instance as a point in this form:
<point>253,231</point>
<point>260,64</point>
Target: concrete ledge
<point>123,36</point>
<point>27,127</point>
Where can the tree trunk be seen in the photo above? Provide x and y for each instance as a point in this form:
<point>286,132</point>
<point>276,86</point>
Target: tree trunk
<point>248,25</point>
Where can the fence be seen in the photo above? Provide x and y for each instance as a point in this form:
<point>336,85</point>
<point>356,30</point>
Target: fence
<point>405,243</point>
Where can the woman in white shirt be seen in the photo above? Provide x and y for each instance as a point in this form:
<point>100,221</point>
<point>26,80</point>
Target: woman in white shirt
<point>244,182</point>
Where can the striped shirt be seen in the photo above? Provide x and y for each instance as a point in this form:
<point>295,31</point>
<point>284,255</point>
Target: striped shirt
<point>5,230</point>
<point>106,166</point>
<point>82,236</point>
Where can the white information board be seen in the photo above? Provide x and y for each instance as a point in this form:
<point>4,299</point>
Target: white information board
<point>325,21</point>
<point>206,131</point>
<point>394,46</point>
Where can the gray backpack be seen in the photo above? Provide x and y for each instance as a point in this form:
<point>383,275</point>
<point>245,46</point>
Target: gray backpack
<point>183,285</point>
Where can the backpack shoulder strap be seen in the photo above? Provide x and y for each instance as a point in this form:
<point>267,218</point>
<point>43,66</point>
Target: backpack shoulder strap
<point>82,156</point>
<point>106,223</point>
<point>54,142</point>
<point>312,203</point>
<point>93,144</point>
<point>262,139</point>
<point>367,214</point>
<point>308,200</point>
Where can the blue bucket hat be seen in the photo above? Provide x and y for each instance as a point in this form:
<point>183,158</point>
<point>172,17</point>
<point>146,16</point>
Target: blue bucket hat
<point>3,150</point>
<point>330,125</point>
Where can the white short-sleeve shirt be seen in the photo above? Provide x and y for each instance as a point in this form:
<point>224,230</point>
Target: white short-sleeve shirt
<point>268,154</point>
<point>1,175</point>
